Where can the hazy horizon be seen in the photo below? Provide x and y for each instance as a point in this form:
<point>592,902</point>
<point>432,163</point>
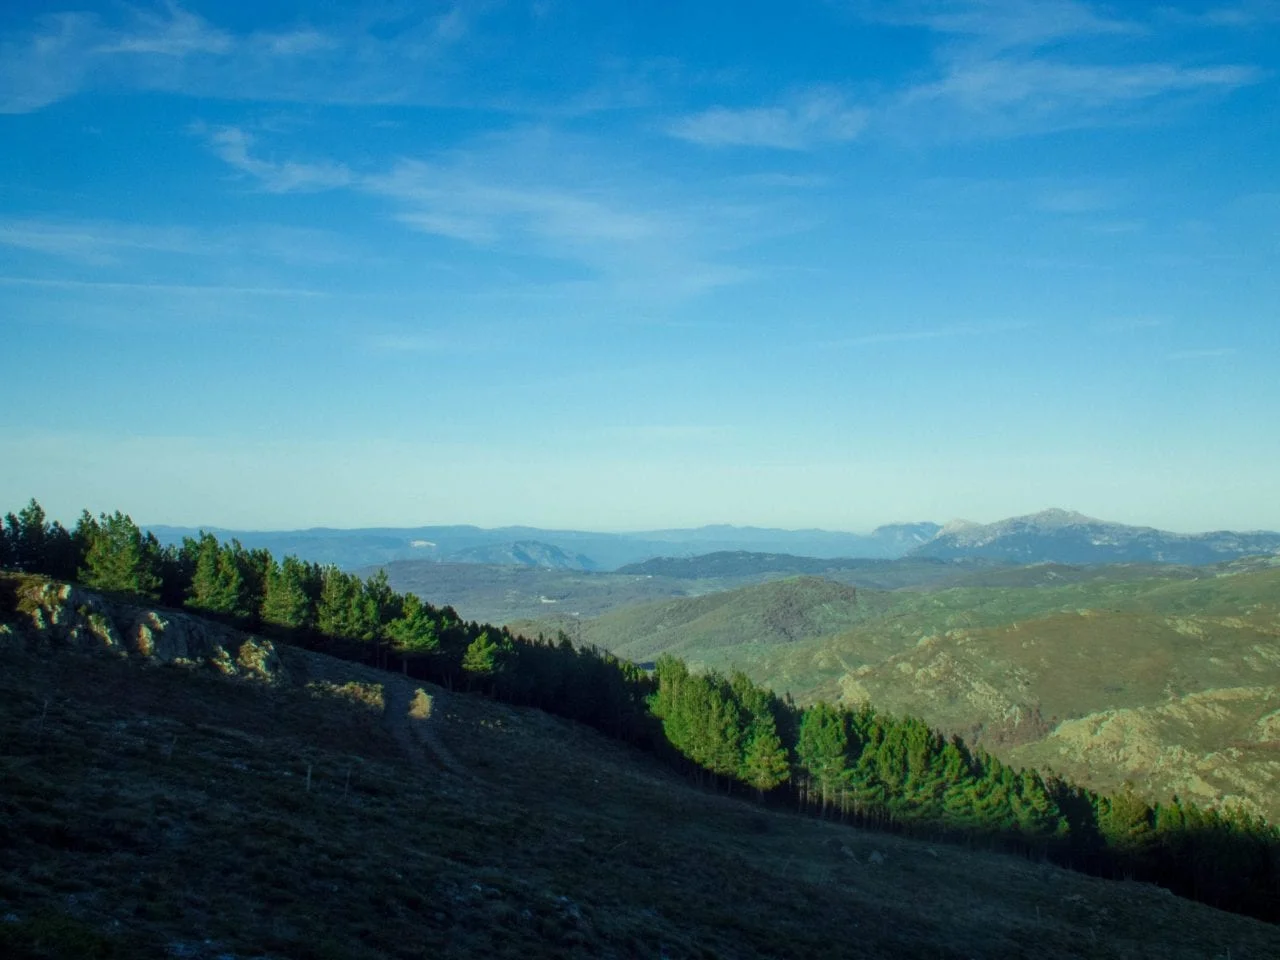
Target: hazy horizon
<point>212,527</point>
<point>273,266</point>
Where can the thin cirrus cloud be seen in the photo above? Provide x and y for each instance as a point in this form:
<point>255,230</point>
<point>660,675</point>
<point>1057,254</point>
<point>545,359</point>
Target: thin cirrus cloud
<point>1208,353</point>
<point>233,145</point>
<point>514,192</point>
<point>1021,67</point>
<point>105,243</point>
<point>185,289</point>
<point>937,333</point>
<point>1004,97</point>
<point>1048,88</point>
<point>90,242</point>
<point>175,50</point>
<point>1001,68</point>
<point>173,33</point>
<point>999,24</point>
<point>802,122</point>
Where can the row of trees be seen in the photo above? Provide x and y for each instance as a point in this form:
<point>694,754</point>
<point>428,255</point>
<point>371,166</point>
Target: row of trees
<point>324,608</point>
<point>858,765</point>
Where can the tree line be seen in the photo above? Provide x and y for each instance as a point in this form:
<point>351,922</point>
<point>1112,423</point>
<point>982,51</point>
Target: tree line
<point>857,765</point>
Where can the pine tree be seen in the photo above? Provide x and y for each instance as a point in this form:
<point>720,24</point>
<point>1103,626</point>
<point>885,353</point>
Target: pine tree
<point>119,559</point>
<point>218,583</point>
<point>285,602</point>
<point>1125,820</point>
<point>821,748</point>
<point>722,731</point>
<point>26,535</point>
<point>413,634</point>
<point>765,763</point>
<point>484,659</point>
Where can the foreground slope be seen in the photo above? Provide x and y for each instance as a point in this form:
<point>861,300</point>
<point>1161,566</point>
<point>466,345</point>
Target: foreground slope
<point>316,808</point>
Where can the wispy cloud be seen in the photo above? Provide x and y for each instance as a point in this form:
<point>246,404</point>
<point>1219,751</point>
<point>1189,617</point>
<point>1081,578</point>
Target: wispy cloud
<point>103,243</point>
<point>1251,13</point>
<point>1018,67</point>
<point>1210,353</point>
<point>406,343</point>
<point>1074,199</point>
<point>233,144</point>
<point>45,67</point>
<point>536,192</point>
<point>173,49</point>
<point>1004,97</point>
<point>1117,326</point>
<point>198,290</point>
<point>454,203</point>
<point>1000,24</point>
<point>936,333</point>
<point>173,33</point>
<point>95,243</point>
<point>802,122</point>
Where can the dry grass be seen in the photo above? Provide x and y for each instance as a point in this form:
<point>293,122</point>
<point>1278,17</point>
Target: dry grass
<point>152,810</point>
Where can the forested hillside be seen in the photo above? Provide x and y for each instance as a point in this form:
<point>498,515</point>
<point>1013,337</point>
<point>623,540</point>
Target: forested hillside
<point>860,765</point>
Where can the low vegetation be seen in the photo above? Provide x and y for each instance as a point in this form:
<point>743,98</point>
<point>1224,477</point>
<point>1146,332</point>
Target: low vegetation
<point>160,811</point>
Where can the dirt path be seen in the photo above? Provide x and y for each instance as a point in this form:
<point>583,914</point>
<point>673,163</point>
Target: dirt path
<point>407,710</point>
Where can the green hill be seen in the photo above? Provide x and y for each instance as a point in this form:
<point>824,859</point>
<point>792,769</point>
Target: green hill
<point>316,808</point>
<point>1046,672</point>
<point>776,612</point>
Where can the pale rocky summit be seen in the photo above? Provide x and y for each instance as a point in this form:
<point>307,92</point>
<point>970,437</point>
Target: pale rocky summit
<point>1065,536</point>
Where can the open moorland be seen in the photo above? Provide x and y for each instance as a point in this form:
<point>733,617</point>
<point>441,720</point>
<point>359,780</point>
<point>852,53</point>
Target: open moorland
<point>318,808</point>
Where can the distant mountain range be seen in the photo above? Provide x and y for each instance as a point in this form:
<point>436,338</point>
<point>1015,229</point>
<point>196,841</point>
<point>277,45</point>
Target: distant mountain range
<point>1062,536</point>
<point>1052,536</point>
<point>560,549</point>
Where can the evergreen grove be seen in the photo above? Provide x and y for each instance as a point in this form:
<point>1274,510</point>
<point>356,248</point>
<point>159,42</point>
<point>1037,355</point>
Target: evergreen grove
<point>857,765</point>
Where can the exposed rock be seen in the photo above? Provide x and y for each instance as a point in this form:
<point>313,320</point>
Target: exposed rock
<point>65,615</point>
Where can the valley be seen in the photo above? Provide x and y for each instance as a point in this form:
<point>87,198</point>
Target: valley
<point>1165,677</point>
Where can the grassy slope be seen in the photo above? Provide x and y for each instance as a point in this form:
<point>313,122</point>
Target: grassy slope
<point>167,810</point>
<point>850,631</point>
<point>499,594</point>
<point>777,612</point>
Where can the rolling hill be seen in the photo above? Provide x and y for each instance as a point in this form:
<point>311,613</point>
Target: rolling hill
<point>1100,672</point>
<point>504,593</point>
<point>518,593</point>
<point>776,612</point>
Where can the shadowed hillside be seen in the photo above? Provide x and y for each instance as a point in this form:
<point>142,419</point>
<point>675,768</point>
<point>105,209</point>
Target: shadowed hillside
<point>326,809</point>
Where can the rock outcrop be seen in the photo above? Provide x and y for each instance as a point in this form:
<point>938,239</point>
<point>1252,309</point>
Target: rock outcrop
<point>59,614</point>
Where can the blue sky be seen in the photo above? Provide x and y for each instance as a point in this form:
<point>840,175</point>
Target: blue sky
<point>620,266</point>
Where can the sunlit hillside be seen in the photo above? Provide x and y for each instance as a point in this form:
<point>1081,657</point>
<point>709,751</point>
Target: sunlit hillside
<point>1015,666</point>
